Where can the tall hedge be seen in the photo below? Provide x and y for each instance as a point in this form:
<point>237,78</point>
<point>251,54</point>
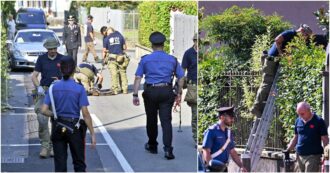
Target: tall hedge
<point>7,7</point>
<point>237,27</point>
<point>155,16</point>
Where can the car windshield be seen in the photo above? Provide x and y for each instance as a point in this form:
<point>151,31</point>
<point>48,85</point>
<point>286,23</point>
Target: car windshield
<point>30,37</point>
<point>30,18</point>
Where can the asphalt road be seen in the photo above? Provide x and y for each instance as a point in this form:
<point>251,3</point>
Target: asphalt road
<point>119,125</point>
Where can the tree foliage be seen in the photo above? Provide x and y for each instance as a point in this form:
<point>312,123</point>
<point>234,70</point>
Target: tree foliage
<point>237,27</point>
<point>155,16</point>
<point>300,80</point>
<point>122,5</point>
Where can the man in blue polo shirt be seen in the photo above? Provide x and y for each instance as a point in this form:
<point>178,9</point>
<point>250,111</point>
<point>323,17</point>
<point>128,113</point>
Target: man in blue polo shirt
<point>218,143</point>
<point>48,66</point>
<point>270,62</point>
<point>310,130</point>
<point>189,63</point>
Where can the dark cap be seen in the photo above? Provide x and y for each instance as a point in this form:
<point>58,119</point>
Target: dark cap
<point>157,38</point>
<point>226,110</point>
<point>67,65</point>
<point>71,18</point>
<point>90,17</point>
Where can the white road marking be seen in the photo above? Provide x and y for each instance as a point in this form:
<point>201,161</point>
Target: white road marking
<point>27,145</point>
<point>112,145</point>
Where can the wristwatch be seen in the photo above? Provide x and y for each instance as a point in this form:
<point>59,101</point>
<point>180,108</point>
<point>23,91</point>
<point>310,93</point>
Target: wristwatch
<point>135,95</point>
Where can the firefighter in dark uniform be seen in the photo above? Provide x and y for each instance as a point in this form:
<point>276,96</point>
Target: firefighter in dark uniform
<point>47,67</point>
<point>72,38</point>
<point>159,69</point>
<point>68,127</point>
<point>218,143</point>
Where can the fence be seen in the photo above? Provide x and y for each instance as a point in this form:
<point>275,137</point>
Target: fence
<point>232,94</point>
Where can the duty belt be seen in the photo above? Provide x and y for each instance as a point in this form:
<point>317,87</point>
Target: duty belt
<point>159,85</point>
<point>67,119</point>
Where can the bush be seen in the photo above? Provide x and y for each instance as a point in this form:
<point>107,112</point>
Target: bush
<point>300,80</point>
<point>155,16</point>
<point>237,27</point>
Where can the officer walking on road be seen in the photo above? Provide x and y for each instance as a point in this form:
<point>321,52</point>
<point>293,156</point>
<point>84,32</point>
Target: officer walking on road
<point>159,69</point>
<point>48,66</point>
<point>72,38</point>
<point>85,74</point>
<point>218,143</point>
<point>67,98</point>
<point>89,39</point>
<point>189,63</point>
<point>118,61</point>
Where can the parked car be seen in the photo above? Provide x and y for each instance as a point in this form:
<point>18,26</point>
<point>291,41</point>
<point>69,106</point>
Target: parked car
<point>30,18</point>
<point>28,45</point>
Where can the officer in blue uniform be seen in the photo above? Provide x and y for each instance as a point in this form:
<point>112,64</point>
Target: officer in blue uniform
<point>68,127</point>
<point>217,146</point>
<point>159,69</point>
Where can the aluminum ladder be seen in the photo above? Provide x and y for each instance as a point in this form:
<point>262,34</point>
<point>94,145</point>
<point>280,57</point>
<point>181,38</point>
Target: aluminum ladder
<point>259,132</point>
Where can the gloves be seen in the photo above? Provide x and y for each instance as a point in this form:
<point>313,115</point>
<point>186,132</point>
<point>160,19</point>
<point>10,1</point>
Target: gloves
<point>99,86</point>
<point>94,42</point>
<point>41,91</point>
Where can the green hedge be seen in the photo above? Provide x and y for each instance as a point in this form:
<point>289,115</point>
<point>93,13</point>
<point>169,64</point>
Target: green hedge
<point>300,80</point>
<point>237,27</point>
<point>155,16</point>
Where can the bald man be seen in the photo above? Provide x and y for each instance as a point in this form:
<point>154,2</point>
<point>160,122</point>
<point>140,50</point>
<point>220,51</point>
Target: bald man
<point>310,130</point>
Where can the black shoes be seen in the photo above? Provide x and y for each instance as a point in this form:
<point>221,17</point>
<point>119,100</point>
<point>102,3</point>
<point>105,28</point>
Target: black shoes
<point>169,153</point>
<point>151,148</point>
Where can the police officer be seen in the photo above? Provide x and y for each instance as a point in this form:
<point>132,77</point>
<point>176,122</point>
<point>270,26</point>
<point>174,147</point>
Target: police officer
<point>85,74</point>
<point>270,61</point>
<point>89,39</point>
<point>158,68</point>
<point>218,143</point>
<point>189,63</point>
<point>72,38</point>
<point>47,66</point>
<point>118,61</point>
<point>68,127</point>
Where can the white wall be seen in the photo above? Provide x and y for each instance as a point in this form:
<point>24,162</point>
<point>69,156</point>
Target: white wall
<point>107,17</point>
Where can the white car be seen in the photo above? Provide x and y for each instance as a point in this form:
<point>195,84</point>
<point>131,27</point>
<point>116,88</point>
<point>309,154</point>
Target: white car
<point>28,45</point>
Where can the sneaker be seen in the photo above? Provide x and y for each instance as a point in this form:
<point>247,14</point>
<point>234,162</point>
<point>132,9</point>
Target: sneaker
<point>51,152</point>
<point>43,153</point>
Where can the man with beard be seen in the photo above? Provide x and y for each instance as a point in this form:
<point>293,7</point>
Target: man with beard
<point>218,143</point>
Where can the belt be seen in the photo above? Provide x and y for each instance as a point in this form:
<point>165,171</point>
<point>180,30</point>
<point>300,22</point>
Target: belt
<point>158,85</point>
<point>67,119</point>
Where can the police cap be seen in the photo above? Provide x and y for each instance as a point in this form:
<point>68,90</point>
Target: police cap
<point>157,38</point>
<point>67,65</point>
<point>226,110</point>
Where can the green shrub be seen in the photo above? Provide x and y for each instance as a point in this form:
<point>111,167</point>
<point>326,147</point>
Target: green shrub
<point>155,16</point>
<point>238,27</point>
<point>300,80</point>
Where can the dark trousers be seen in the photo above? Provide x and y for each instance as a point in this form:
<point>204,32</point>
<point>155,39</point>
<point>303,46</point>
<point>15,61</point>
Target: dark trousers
<point>76,142</point>
<point>159,100</point>
<point>73,53</point>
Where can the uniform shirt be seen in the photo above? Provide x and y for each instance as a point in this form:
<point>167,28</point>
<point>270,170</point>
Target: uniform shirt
<point>189,62</point>
<point>69,97</point>
<point>104,44</point>
<point>288,36</point>
<point>48,68</point>
<point>158,67</point>
<point>89,66</point>
<point>89,28</point>
<point>71,36</point>
<point>114,43</point>
<point>309,135</point>
<point>215,138</point>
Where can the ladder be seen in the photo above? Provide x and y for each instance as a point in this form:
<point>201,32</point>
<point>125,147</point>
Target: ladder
<point>259,132</point>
